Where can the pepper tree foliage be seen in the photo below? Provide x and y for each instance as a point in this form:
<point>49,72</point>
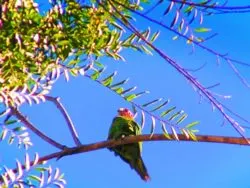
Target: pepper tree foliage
<point>72,38</point>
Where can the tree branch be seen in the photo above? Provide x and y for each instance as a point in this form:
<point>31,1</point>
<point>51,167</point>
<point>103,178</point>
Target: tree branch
<point>66,117</point>
<point>28,124</point>
<point>135,139</point>
<point>146,137</point>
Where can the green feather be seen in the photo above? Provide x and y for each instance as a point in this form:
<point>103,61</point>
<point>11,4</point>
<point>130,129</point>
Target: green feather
<point>130,153</point>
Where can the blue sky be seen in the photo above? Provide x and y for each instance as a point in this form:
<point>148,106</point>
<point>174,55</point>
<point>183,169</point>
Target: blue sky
<point>170,164</point>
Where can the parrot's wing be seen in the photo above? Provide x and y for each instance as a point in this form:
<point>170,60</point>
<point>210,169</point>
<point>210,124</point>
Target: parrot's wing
<point>136,127</point>
<point>137,131</point>
<point>120,126</point>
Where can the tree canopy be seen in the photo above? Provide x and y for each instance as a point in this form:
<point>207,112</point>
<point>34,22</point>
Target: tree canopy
<point>42,42</point>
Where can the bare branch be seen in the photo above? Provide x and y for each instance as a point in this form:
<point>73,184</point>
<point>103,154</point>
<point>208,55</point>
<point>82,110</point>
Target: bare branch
<point>66,117</point>
<point>139,138</point>
<point>28,124</point>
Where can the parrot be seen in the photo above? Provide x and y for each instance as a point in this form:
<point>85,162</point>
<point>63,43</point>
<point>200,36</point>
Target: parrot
<point>124,125</point>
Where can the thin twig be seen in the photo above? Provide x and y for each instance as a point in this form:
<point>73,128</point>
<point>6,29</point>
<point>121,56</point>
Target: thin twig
<point>29,125</point>
<point>67,118</point>
<point>213,7</point>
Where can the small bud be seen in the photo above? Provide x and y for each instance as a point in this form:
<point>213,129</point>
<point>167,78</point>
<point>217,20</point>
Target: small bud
<point>60,8</point>
<point>29,54</point>
<point>35,5</point>
<point>1,23</point>
<point>4,8</point>
<point>36,38</point>
<point>56,8</point>
<point>60,25</point>
<point>19,3</point>
<point>18,38</point>
<point>45,40</point>
<point>53,48</point>
<point>45,47</point>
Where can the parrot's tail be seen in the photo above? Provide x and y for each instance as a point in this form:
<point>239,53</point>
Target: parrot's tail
<point>141,169</point>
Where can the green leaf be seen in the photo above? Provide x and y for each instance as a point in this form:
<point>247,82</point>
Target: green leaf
<point>190,125</point>
<point>141,93</point>
<point>3,134</point>
<point>175,115</point>
<point>175,37</point>
<point>129,90</point>
<point>189,9</point>
<point>146,50</point>
<point>9,122</point>
<point>182,118</point>
<point>11,140</point>
<point>108,80</point>
<point>202,29</point>
<point>118,90</point>
<point>35,178</point>
<point>73,72</point>
<point>42,169</point>
<point>167,111</point>
<point>151,102</point>
<point>155,36</point>
<point>63,43</point>
<point>199,39</point>
<point>160,106</point>
<point>17,129</point>
<point>95,75</point>
<point>194,130</point>
<point>119,83</point>
<point>99,64</point>
<point>74,62</point>
<point>130,97</point>
<point>192,135</point>
<point>117,25</point>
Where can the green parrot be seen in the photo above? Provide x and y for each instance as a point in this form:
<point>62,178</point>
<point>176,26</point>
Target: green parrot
<point>124,125</point>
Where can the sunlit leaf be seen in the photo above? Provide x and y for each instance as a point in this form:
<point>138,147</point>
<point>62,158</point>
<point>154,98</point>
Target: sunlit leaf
<point>202,29</point>
<point>130,97</point>
<point>191,125</point>
<point>164,113</point>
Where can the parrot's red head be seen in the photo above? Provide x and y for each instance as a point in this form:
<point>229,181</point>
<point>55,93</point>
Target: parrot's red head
<point>126,113</point>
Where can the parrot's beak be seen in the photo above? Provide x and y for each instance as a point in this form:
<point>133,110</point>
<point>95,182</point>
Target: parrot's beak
<point>120,110</point>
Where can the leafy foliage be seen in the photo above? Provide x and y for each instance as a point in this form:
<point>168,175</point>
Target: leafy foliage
<point>34,47</point>
<point>31,174</point>
<point>155,109</point>
<point>11,130</point>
